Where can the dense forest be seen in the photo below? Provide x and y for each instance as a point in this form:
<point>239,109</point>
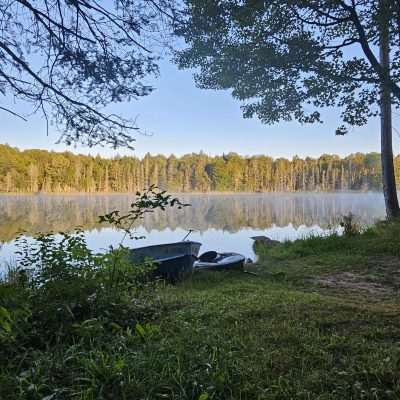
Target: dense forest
<point>35,171</point>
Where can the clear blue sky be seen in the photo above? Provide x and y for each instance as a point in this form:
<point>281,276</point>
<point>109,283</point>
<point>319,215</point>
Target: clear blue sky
<point>183,119</point>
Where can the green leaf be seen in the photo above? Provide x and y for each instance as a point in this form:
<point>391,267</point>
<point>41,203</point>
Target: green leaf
<point>4,314</point>
<point>204,396</point>
<point>115,327</point>
<point>5,326</point>
<point>140,330</point>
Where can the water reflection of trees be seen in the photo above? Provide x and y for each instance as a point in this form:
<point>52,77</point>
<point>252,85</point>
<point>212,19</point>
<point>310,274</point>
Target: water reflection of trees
<point>231,212</point>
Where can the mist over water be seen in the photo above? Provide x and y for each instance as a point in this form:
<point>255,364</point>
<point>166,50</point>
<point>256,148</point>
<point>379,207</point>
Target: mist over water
<point>222,222</point>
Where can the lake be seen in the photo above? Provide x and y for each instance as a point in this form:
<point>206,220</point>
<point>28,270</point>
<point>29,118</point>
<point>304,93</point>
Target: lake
<point>223,222</point>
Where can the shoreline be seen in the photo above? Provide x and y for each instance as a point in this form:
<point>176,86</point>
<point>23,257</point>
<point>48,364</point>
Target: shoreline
<point>213,193</point>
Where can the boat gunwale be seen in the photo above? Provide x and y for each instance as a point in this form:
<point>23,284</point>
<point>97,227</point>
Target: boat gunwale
<point>166,244</point>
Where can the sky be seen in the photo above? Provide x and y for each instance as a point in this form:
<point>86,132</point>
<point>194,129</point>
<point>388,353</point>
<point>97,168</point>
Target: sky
<point>180,118</point>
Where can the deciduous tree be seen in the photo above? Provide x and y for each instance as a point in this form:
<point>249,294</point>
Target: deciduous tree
<point>287,59</point>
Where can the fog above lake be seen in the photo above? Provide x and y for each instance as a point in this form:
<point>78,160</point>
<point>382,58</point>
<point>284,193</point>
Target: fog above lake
<point>228,212</point>
<point>221,221</point>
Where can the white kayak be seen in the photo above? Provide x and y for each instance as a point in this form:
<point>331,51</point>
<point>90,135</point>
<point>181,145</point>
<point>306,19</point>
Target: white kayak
<point>220,261</point>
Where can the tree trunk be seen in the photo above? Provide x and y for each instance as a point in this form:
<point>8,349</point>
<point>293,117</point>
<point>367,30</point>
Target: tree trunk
<point>388,176</point>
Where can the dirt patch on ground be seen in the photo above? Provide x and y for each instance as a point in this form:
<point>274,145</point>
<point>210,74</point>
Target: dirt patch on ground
<point>378,276</point>
<point>348,280</point>
<point>384,267</point>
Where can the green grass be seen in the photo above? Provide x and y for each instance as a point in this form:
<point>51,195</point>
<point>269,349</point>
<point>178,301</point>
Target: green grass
<point>320,320</point>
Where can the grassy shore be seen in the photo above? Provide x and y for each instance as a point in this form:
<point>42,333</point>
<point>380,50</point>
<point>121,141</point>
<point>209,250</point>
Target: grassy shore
<point>320,320</point>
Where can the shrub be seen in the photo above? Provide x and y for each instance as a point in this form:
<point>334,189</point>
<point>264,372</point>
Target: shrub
<point>59,285</point>
<point>70,316</point>
<point>350,226</point>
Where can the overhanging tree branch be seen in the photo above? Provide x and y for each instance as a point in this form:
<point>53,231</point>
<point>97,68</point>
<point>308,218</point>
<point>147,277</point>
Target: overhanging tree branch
<point>68,59</point>
<point>13,113</point>
<point>58,92</point>
<point>366,47</point>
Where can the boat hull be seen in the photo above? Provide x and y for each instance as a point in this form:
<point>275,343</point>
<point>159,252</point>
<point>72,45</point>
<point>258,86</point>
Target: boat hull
<point>173,261</point>
<point>174,269</point>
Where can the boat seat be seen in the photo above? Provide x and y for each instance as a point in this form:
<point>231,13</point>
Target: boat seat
<point>208,256</point>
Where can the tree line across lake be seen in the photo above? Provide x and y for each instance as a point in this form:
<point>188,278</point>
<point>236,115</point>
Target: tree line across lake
<point>32,171</point>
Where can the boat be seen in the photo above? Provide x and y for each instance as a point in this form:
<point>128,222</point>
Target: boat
<point>174,261</point>
<point>214,261</point>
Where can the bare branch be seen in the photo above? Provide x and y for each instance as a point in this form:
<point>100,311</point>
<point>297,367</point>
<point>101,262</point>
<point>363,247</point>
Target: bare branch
<point>13,113</point>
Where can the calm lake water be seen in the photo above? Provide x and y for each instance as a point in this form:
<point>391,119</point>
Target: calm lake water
<point>223,222</point>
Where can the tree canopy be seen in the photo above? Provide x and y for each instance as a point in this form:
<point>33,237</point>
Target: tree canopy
<point>285,60</point>
<point>288,59</point>
<point>70,58</point>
